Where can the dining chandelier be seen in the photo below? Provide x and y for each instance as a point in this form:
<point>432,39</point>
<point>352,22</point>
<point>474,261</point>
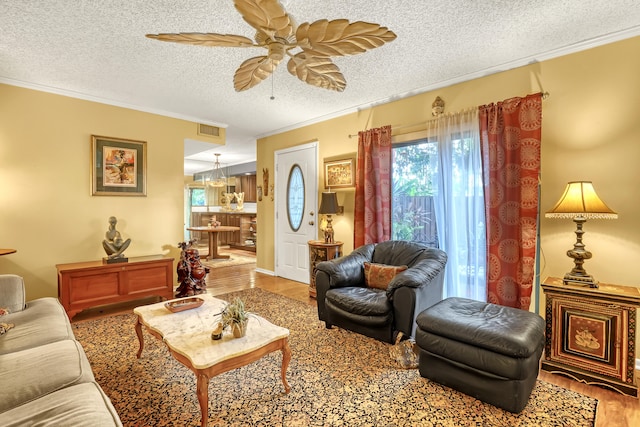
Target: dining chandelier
<point>217,177</point>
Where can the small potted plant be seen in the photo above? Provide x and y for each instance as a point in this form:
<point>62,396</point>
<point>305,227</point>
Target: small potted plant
<point>235,316</point>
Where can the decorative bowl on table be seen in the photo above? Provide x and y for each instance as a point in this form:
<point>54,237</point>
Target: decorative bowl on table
<point>183,304</point>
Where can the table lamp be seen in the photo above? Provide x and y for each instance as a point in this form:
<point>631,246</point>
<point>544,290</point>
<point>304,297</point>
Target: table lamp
<point>580,202</point>
<point>328,207</point>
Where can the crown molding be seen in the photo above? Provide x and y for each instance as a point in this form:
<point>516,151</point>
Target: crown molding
<point>544,56</point>
<point>99,100</point>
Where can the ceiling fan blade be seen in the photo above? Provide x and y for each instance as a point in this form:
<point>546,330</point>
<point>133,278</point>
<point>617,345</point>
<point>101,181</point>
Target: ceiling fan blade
<point>339,37</point>
<point>266,16</point>
<point>253,71</point>
<point>320,72</point>
<point>204,39</point>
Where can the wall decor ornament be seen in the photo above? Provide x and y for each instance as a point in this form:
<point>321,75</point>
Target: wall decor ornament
<point>437,108</point>
<point>265,180</point>
<point>118,167</point>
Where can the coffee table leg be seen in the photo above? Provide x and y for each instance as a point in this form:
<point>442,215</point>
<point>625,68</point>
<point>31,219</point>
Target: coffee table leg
<point>140,337</point>
<point>286,357</point>
<point>203,398</point>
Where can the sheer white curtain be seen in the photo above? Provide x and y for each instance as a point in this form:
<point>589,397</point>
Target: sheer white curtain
<point>459,203</point>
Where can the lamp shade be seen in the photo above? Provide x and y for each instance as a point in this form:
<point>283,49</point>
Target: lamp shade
<point>580,200</point>
<point>329,203</point>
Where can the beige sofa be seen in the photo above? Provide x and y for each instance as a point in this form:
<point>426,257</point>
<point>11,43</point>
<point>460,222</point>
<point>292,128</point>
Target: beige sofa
<point>45,375</point>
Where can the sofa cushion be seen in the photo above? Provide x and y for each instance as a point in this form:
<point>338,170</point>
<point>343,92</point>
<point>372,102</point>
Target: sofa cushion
<point>379,275</point>
<point>30,374</point>
<point>43,321</point>
<point>360,301</point>
<point>79,405</point>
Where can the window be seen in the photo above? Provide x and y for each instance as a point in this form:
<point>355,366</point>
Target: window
<point>413,213</point>
<point>198,197</point>
<point>438,199</point>
<point>295,197</point>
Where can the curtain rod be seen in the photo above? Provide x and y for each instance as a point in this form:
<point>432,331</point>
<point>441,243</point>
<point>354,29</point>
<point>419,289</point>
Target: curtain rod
<point>545,95</point>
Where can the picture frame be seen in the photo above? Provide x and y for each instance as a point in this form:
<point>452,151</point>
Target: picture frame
<point>339,173</point>
<point>589,335</point>
<point>118,166</point>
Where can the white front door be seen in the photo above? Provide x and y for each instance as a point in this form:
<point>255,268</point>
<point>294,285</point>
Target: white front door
<point>296,198</point>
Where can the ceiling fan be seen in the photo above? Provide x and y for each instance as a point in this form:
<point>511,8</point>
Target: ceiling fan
<point>276,32</point>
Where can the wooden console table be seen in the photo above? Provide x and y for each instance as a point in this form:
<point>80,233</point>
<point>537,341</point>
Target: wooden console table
<point>320,251</point>
<point>591,333</point>
<point>83,285</point>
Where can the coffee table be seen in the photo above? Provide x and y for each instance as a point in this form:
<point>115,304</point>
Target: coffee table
<point>187,334</point>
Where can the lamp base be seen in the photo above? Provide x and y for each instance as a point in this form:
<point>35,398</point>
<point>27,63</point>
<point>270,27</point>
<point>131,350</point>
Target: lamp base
<point>586,280</point>
<point>328,235</point>
<point>328,232</point>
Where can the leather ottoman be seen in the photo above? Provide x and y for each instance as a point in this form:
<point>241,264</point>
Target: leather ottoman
<point>484,350</point>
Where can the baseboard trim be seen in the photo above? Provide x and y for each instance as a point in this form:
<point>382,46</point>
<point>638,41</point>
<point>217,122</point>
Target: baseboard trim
<point>263,271</point>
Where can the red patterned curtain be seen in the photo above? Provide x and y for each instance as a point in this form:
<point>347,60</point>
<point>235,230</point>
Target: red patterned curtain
<point>373,187</point>
<point>510,133</point>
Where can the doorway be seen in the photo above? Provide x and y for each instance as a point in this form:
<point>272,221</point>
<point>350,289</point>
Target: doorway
<point>295,201</point>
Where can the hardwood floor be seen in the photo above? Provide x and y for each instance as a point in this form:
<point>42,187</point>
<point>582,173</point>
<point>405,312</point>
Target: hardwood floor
<point>614,409</point>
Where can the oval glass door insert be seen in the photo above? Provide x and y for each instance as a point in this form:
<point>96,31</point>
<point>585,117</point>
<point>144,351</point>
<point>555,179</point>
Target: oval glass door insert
<point>295,197</point>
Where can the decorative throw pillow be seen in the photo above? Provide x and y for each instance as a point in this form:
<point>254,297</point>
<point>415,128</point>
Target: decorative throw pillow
<point>379,275</point>
<point>4,327</point>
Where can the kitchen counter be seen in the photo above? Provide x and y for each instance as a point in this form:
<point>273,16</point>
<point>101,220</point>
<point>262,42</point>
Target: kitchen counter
<point>249,208</point>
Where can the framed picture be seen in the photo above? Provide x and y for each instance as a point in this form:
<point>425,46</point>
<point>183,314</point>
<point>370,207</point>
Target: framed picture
<point>118,167</point>
<point>589,335</point>
<point>339,173</point>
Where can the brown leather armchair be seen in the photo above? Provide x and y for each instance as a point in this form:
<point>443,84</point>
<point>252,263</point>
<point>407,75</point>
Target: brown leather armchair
<point>344,299</point>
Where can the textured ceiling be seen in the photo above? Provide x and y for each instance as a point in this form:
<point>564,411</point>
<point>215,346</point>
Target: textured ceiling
<point>97,50</point>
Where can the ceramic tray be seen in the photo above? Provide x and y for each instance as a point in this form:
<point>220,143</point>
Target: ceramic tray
<point>183,304</point>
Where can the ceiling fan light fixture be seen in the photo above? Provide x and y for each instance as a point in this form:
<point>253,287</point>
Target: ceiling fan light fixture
<point>314,44</point>
<point>276,51</point>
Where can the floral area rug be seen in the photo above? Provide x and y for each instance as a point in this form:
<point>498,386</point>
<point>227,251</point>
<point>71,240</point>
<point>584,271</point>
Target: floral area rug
<point>337,378</point>
<point>233,260</point>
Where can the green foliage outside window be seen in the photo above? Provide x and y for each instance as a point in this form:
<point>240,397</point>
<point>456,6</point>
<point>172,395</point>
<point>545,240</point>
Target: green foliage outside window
<point>198,197</point>
<point>414,184</point>
<point>412,190</point>
<point>413,167</point>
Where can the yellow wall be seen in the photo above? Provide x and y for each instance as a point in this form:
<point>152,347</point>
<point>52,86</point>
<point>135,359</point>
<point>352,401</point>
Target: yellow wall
<point>48,213</point>
<point>591,131</point>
